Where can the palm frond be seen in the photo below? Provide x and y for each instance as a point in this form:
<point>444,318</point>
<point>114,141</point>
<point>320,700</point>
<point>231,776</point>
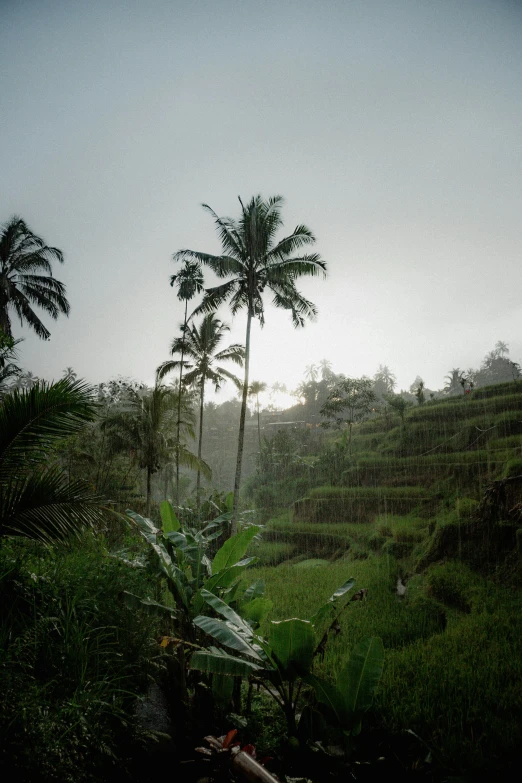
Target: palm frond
<point>222,373</point>
<point>190,460</point>
<point>26,313</point>
<point>170,366</point>
<point>311,265</point>
<point>31,421</point>
<point>46,506</point>
<point>229,234</point>
<point>234,353</point>
<point>215,297</point>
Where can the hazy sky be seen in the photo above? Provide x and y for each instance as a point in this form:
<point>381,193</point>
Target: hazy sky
<point>392,129</point>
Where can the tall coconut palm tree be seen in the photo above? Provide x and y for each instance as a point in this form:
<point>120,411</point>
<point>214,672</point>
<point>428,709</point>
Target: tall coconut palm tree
<point>454,381</point>
<point>251,261</point>
<point>201,345</point>
<point>325,366</point>
<point>69,374</point>
<point>26,278</point>
<point>189,282</point>
<point>254,390</point>
<point>311,373</point>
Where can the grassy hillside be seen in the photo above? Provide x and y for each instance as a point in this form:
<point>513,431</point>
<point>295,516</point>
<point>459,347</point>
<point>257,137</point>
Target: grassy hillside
<point>435,501</point>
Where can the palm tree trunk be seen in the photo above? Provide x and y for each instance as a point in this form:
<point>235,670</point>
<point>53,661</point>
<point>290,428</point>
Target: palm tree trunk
<point>241,438</point>
<point>258,423</point>
<point>178,424</point>
<point>202,397</point>
<point>149,474</point>
<point>5,323</point>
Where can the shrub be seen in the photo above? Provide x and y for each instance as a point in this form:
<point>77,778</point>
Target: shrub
<point>73,659</point>
<point>513,468</point>
<point>453,584</point>
<point>397,549</point>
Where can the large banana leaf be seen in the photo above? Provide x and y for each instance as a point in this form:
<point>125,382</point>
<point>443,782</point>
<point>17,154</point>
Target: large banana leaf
<point>257,609</point>
<point>177,577</point>
<point>147,528</point>
<point>215,661</point>
<point>329,696</point>
<point>233,550</point>
<point>358,680</point>
<point>228,613</point>
<point>170,522</point>
<point>226,635</point>
<point>292,642</point>
<point>342,590</point>
<point>329,612</point>
<point>255,590</point>
<point>222,579</point>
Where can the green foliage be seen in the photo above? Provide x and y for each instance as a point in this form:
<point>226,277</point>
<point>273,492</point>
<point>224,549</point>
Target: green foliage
<point>288,654</point>
<point>460,690</point>
<point>356,685</point>
<point>513,468</point>
<point>36,498</point>
<point>73,659</point>
<point>350,402</point>
<point>182,557</point>
<point>26,278</point>
<point>454,584</point>
<point>368,492</point>
<point>273,552</point>
<point>8,357</point>
<point>169,521</point>
<point>398,403</point>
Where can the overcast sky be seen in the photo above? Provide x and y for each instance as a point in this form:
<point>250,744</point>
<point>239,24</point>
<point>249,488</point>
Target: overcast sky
<point>392,129</point>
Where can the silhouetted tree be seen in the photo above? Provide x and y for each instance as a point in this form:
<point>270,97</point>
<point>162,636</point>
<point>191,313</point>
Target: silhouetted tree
<point>200,344</point>
<point>350,402</point>
<point>254,390</point>
<point>189,282</point>
<point>251,261</point>
<point>384,381</point>
<point>26,278</point>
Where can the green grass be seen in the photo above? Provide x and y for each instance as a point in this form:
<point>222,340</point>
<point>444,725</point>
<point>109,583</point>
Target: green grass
<point>461,691</point>
<point>498,389</point>
<point>368,493</point>
<point>510,442</point>
<point>404,529</point>
<point>453,668</point>
<point>437,459</point>
<point>465,409</point>
<point>299,592</point>
<point>273,552</point>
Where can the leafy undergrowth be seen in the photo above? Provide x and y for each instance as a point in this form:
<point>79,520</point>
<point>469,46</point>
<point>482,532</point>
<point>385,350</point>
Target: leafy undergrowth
<point>453,667</point>
<point>73,658</point>
<point>461,691</point>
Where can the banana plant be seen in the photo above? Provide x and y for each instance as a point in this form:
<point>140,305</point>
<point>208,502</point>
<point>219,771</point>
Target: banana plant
<point>183,561</point>
<point>283,662</point>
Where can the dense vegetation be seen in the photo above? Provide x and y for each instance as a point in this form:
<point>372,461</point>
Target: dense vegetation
<point>354,610</point>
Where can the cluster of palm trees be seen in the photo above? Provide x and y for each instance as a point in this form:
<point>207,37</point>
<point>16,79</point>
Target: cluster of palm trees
<point>252,261</point>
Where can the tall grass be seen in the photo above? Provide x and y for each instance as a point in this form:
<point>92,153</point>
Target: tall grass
<point>437,459</point>
<point>368,493</point>
<point>453,669</point>
<point>73,658</point>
